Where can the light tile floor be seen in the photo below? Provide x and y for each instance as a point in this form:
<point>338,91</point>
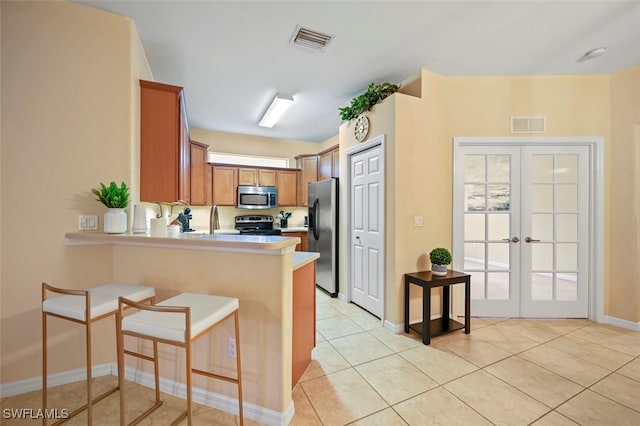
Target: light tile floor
<point>506,372</point>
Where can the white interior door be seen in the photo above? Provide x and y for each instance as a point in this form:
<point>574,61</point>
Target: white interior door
<point>525,224</point>
<point>491,222</point>
<point>367,239</point>
<point>555,230</point>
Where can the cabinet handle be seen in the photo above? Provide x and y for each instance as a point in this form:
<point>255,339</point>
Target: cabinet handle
<point>531,240</point>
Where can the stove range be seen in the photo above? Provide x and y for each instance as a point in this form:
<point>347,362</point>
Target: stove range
<point>256,225</point>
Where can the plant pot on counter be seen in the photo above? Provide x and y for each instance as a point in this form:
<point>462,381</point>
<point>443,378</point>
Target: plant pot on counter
<point>115,221</point>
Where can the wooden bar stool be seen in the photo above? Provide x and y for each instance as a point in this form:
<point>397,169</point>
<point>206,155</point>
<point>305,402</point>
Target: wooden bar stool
<point>177,321</point>
<point>85,307</point>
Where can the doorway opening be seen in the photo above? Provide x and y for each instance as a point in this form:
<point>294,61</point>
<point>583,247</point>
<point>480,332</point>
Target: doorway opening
<point>528,225</point>
<point>365,185</point>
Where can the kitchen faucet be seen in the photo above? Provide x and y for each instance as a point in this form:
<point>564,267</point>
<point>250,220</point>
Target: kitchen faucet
<point>214,222</point>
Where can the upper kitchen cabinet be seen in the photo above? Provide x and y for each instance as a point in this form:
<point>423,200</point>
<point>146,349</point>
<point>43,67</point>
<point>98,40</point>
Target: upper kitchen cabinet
<point>164,144</point>
<point>256,177</point>
<point>225,184</point>
<point>308,165</point>
<point>287,187</point>
<point>200,175</point>
<point>329,163</point>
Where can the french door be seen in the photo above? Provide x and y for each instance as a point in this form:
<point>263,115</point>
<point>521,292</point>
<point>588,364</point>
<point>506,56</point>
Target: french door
<point>525,228</point>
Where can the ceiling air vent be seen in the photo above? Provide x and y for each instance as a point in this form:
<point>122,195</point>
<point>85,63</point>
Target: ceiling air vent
<point>310,39</point>
<point>528,124</point>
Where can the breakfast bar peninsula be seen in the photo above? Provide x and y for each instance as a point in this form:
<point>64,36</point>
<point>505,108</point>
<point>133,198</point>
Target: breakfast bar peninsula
<point>274,285</point>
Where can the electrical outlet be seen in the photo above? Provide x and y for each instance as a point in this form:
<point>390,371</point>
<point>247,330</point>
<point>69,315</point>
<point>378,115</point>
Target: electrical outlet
<point>87,222</point>
<point>231,347</point>
<point>417,221</point>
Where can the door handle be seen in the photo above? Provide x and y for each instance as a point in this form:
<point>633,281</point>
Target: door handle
<point>513,240</point>
<point>531,240</point>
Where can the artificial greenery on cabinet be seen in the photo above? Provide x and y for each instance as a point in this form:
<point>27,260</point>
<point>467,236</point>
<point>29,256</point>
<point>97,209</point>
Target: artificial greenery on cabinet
<point>374,94</point>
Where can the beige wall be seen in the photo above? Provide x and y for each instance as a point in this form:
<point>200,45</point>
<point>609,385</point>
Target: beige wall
<point>69,74</point>
<point>623,283</point>
<point>420,132</point>
<point>254,145</point>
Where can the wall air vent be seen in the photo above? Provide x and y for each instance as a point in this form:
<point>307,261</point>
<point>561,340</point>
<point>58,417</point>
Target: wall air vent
<point>528,124</point>
<point>310,39</point>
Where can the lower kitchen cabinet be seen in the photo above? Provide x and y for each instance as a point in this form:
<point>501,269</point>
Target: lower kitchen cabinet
<point>304,320</point>
<point>303,245</point>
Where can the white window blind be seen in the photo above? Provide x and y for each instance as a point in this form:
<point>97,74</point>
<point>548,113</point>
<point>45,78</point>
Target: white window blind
<point>248,160</point>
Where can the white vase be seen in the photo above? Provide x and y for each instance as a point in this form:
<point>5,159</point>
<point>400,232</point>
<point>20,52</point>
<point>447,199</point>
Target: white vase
<point>115,221</point>
<point>440,270</point>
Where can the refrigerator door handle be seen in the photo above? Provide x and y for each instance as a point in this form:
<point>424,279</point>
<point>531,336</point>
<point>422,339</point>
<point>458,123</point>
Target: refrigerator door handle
<point>315,219</point>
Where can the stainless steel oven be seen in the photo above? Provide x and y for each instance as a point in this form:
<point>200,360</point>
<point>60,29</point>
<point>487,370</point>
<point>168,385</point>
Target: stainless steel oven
<point>257,197</point>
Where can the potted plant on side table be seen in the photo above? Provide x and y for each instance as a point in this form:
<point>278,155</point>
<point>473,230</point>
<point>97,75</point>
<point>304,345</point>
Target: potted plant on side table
<point>116,198</point>
<point>440,258</point>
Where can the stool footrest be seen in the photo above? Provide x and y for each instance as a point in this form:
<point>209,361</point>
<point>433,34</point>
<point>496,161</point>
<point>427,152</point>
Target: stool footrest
<point>146,413</point>
<point>137,355</point>
<point>215,376</point>
<point>84,407</point>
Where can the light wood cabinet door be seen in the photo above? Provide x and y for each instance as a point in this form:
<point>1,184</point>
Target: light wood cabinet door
<point>225,185</point>
<point>287,183</point>
<point>256,177</point>
<point>303,245</point>
<point>335,158</point>
<point>308,165</point>
<point>247,177</point>
<point>325,166</point>
<point>266,177</point>
<point>164,144</point>
<point>200,175</point>
<point>329,163</point>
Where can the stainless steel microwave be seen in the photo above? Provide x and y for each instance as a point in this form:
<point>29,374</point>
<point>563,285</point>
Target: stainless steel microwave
<point>257,197</point>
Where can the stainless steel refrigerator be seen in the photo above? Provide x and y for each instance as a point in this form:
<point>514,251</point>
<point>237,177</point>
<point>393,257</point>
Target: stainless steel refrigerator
<point>323,232</point>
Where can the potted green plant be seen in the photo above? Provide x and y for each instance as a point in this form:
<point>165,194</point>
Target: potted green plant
<point>440,258</point>
<point>116,199</point>
<point>374,94</point>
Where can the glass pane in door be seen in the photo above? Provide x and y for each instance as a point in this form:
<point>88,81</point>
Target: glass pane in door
<point>554,187</point>
<point>488,227</point>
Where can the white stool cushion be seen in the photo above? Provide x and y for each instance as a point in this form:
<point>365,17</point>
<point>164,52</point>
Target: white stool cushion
<point>206,310</point>
<point>104,299</point>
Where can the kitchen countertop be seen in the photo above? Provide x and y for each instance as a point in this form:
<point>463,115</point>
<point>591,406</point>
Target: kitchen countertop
<point>293,229</point>
<point>265,244</point>
<point>235,231</point>
<point>301,258</point>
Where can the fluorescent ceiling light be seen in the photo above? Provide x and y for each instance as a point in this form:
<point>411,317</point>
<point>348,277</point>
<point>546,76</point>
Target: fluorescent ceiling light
<point>592,54</point>
<point>279,105</point>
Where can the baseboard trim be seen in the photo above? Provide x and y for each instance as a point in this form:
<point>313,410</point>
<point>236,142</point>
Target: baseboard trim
<point>618,322</point>
<point>394,328</point>
<point>214,400</point>
<point>35,383</point>
<point>210,399</point>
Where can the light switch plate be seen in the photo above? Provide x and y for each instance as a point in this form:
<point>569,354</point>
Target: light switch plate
<point>418,221</point>
<point>88,222</point>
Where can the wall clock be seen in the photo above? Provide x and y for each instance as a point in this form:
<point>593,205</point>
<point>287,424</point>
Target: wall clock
<point>362,128</point>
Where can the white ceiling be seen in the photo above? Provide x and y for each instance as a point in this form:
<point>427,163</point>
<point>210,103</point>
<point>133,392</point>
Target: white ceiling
<point>232,57</point>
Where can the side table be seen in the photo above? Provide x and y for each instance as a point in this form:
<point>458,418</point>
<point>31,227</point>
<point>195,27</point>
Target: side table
<point>428,327</point>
